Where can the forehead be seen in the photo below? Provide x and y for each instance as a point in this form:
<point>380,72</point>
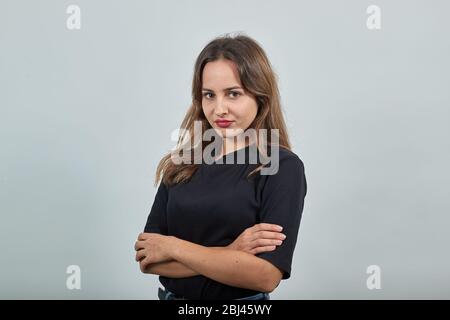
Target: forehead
<point>220,74</point>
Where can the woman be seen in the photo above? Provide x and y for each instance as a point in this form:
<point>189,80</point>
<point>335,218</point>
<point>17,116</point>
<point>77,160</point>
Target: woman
<point>218,230</point>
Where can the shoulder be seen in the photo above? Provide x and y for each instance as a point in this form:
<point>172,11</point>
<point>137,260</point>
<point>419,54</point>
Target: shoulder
<point>283,177</point>
<point>289,156</point>
<point>284,162</point>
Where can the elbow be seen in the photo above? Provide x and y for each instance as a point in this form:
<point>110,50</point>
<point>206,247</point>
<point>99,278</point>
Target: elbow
<point>272,278</point>
<point>270,285</point>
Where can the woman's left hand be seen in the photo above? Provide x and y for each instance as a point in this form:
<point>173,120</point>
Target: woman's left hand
<point>152,248</point>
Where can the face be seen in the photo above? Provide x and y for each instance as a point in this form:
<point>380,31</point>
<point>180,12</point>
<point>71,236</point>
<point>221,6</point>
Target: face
<point>225,99</point>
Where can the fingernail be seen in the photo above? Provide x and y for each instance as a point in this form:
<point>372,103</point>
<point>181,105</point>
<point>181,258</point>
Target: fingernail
<point>280,228</point>
<point>283,236</point>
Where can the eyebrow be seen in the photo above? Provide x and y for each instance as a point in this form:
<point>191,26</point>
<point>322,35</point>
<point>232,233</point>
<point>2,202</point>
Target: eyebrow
<point>235,87</point>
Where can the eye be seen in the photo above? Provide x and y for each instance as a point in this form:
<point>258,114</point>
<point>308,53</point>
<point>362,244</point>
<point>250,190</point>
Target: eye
<point>237,94</point>
<point>206,94</point>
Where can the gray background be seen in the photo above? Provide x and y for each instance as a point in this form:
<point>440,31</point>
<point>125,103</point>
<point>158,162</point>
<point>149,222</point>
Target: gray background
<point>87,114</point>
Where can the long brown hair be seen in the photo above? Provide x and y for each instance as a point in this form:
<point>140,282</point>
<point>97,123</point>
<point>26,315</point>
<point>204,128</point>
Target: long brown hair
<point>257,77</point>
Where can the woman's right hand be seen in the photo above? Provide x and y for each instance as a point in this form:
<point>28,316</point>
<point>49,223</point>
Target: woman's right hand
<point>262,237</point>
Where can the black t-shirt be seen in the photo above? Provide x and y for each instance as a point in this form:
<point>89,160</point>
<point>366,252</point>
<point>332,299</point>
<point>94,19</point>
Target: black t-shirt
<point>218,203</point>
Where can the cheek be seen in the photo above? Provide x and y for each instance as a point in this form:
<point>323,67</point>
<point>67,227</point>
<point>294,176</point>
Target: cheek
<point>247,111</point>
<point>207,109</point>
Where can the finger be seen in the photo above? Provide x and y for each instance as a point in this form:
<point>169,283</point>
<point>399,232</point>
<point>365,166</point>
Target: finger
<point>265,242</point>
<point>268,235</point>
<point>140,255</point>
<point>144,263</point>
<point>263,249</point>
<point>142,236</point>
<point>268,227</point>
<point>139,245</point>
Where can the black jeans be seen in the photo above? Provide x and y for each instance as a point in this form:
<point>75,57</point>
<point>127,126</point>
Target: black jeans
<point>164,294</point>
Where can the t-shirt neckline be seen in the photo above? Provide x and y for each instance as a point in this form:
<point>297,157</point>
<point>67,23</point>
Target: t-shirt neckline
<point>223,158</point>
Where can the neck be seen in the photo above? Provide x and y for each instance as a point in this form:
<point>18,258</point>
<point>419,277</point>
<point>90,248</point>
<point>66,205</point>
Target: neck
<point>230,145</point>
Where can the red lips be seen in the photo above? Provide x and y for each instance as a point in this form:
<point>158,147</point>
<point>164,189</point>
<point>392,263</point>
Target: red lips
<point>223,123</point>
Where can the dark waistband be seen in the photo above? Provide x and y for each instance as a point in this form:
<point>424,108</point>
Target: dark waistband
<point>164,294</point>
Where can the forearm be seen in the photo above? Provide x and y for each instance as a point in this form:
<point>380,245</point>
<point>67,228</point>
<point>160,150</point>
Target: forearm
<point>171,269</point>
<point>224,265</point>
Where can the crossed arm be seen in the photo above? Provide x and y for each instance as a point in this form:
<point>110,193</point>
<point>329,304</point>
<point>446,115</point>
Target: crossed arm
<point>234,265</point>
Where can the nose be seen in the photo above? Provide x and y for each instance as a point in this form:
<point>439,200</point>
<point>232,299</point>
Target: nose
<point>220,108</point>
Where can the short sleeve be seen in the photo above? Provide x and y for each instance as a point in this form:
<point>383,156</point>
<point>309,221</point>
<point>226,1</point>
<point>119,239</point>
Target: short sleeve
<point>157,219</point>
<point>282,202</point>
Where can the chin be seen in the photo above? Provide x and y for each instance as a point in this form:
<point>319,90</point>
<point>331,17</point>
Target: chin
<point>228,133</point>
